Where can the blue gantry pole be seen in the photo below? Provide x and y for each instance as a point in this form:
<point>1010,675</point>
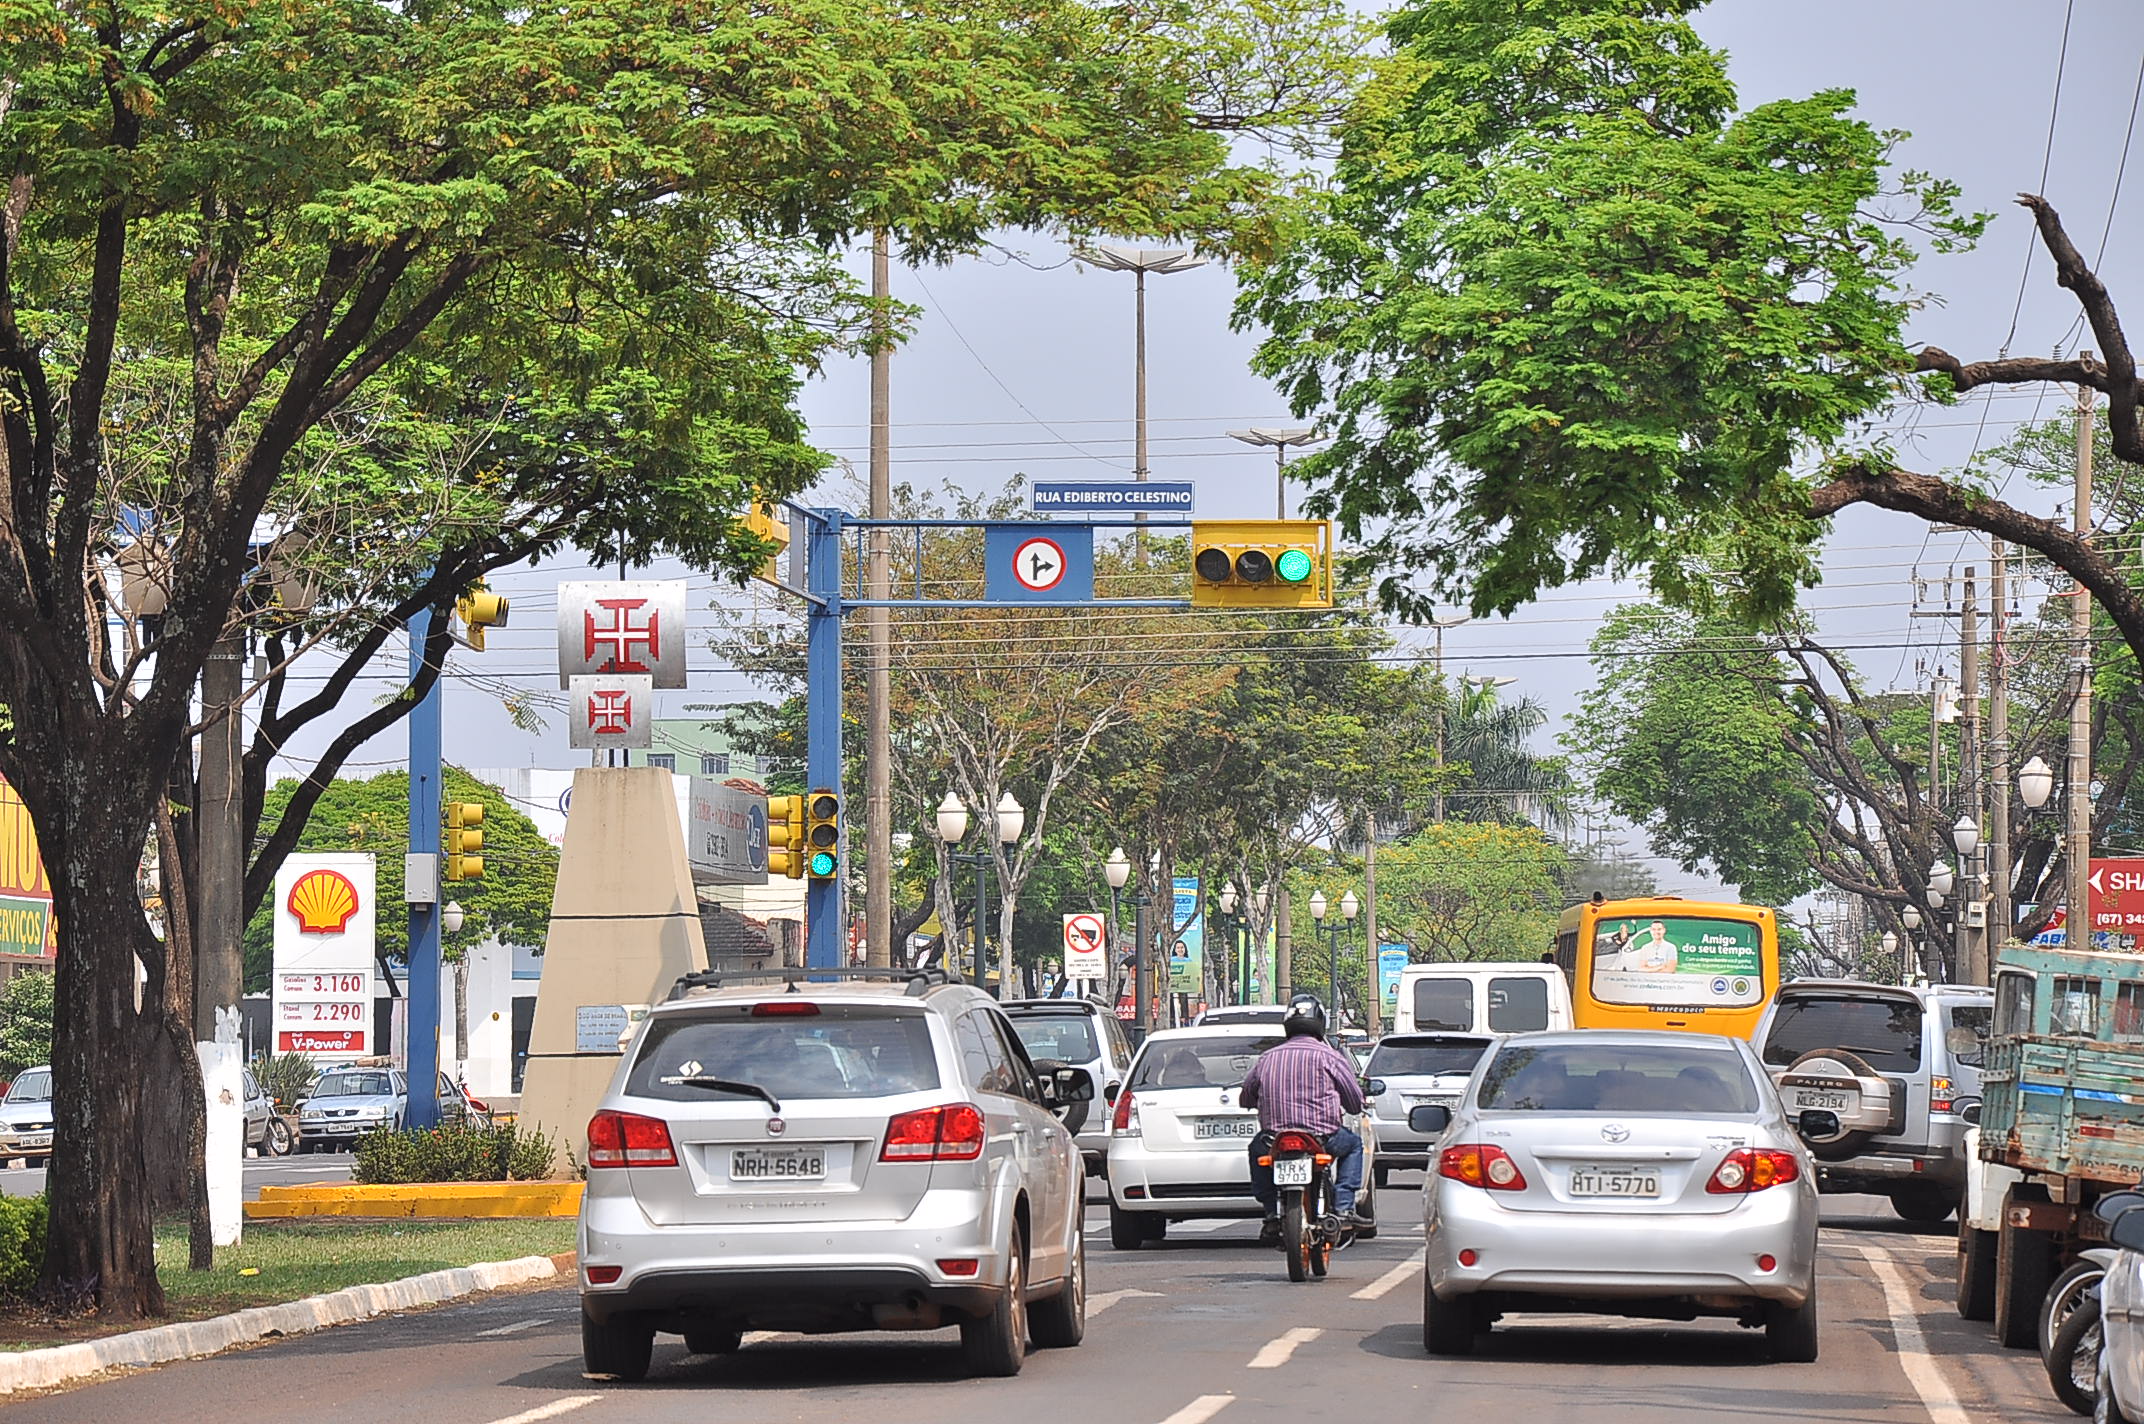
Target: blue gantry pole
<point>424,799</point>
<point>825,933</point>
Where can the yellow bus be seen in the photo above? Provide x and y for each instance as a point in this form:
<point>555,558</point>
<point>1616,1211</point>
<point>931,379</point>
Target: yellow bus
<point>1667,962</point>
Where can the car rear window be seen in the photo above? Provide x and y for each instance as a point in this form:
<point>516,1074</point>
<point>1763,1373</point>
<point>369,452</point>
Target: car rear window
<point>1216,1062</point>
<point>1617,1078</point>
<point>1068,1038</point>
<point>353,1085</point>
<point>1402,1060</point>
<point>1883,1031</point>
<point>839,1052</point>
<point>1444,1003</point>
<point>1518,1003</point>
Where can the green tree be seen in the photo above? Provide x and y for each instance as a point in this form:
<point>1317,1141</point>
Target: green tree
<point>25,1023</point>
<point>1465,891</point>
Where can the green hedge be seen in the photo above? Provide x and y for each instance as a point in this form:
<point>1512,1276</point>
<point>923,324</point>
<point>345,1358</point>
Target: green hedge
<point>22,1244</point>
<point>453,1152</point>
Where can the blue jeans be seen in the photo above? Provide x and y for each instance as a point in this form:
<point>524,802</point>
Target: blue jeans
<point>1346,1148</point>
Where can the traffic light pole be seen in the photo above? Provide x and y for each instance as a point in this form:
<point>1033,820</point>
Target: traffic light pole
<point>824,930</point>
<point>422,1057</point>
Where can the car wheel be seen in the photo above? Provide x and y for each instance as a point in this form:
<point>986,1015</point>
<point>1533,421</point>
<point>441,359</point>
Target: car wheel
<point>996,1345</point>
<point>714,1342</point>
<point>2071,1289</point>
<point>1061,1321</point>
<point>1924,1203</point>
<point>1126,1231</point>
<point>1447,1325</point>
<point>279,1139</point>
<point>1976,1273</point>
<point>2024,1269</point>
<point>1790,1331</point>
<point>2073,1360</point>
<point>618,1347</point>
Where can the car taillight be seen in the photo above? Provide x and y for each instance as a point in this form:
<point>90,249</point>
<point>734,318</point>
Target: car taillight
<point>950,1132</point>
<point>1939,1094</point>
<point>1481,1165</point>
<point>623,1139</point>
<point>785,1008</point>
<point>1746,1170</point>
<point>1121,1119</point>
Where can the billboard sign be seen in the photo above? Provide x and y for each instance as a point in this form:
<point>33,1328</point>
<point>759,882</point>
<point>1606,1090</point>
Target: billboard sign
<point>1679,962</point>
<point>1187,945</point>
<point>1391,959</point>
<point>320,987</point>
<point>26,923</point>
<point>726,833</point>
<point>2116,896</point>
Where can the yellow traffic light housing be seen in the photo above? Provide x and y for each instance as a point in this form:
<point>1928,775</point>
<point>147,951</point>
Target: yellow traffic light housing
<point>823,835</point>
<point>1261,563</point>
<point>770,523</point>
<point>465,838</point>
<point>479,609</point>
<point>785,836</point>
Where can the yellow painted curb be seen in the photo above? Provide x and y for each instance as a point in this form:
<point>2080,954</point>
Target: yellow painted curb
<point>485,1199</point>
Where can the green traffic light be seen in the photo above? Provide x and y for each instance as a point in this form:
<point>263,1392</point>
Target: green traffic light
<point>1293,566</point>
<point>822,863</point>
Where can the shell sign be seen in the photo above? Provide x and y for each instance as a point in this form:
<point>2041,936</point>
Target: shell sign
<point>322,901</point>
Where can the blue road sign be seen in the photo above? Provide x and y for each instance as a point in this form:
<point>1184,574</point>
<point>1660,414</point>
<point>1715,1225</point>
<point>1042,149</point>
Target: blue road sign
<point>1111,497</point>
<point>1038,563</point>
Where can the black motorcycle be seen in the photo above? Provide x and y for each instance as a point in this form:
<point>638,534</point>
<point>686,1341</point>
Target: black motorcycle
<point>1310,1227</point>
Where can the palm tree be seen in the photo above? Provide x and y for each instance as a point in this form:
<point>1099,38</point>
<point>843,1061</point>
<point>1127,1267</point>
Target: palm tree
<point>1498,775</point>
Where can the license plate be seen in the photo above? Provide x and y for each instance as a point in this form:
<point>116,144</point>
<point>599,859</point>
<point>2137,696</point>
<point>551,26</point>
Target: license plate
<point>1614,1182</point>
<point>1291,1172</point>
<point>1805,1098</point>
<point>1207,1127</point>
<point>34,1139</point>
<point>760,1164</point>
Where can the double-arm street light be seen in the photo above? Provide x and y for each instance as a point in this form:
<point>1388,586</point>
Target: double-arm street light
<point>1010,820</point>
<point>1280,440</point>
<point>1139,261</point>
<point>1349,908</point>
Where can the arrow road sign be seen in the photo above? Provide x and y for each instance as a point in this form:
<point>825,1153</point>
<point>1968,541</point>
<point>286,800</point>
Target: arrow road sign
<point>1024,564</point>
<point>1039,564</point>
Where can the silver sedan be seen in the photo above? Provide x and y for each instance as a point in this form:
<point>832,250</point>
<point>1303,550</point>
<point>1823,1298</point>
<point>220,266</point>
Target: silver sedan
<point>1627,1173</point>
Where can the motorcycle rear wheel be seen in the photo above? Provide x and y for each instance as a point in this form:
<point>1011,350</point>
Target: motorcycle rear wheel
<point>1295,1237</point>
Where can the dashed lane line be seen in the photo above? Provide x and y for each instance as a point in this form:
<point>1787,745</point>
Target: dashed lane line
<point>1102,1300</point>
<point>1274,1353</point>
<point>1198,1411</point>
<point>1385,1284</point>
<point>1914,1359</point>
<point>550,1411</point>
<point>518,1325</point>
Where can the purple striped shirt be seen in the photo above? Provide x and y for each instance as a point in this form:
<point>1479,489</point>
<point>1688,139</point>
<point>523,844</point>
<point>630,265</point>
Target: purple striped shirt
<point>1303,1082</point>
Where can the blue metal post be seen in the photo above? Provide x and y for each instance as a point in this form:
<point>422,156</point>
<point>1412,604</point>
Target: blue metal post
<point>424,799</point>
<point>825,933</point>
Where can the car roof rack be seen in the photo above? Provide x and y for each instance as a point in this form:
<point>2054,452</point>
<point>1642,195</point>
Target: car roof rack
<point>919,981</point>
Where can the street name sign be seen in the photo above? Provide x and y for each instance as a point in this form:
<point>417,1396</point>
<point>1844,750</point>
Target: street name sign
<point>1111,497</point>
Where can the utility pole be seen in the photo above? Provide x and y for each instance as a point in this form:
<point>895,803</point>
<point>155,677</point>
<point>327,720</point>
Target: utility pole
<point>1971,949</point>
<point>219,955</point>
<point>2077,852</point>
<point>1443,703</point>
<point>2001,918</point>
<point>878,625</point>
<point>1373,1008</point>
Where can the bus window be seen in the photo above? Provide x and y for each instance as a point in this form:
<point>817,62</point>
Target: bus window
<point>1446,1003</point>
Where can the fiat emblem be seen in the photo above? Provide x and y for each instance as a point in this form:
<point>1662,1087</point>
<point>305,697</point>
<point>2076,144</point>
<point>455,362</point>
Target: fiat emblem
<point>776,1127</point>
<point>1615,1132</point>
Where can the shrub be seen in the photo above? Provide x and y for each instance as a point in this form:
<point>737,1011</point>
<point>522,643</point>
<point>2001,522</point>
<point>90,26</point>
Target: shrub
<point>453,1152</point>
<point>287,1078</point>
<point>22,1244</point>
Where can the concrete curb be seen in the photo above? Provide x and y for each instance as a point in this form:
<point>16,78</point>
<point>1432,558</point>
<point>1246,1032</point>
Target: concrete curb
<point>414,1199</point>
<point>41,1369</point>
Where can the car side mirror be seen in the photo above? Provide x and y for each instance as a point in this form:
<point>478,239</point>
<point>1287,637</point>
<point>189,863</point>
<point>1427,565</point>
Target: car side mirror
<point>2127,1231</point>
<point>1074,1085</point>
<point>1373,1087</point>
<point>1430,1118</point>
<point>2115,1205</point>
<point>1817,1122</point>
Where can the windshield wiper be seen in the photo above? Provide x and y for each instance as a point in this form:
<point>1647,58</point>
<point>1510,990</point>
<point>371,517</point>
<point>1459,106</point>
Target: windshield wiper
<point>729,1085</point>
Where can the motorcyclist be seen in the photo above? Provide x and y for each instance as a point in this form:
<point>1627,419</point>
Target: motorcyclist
<point>1305,1084</point>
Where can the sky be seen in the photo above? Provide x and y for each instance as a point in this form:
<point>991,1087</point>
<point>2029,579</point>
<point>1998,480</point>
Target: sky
<point>1021,360</point>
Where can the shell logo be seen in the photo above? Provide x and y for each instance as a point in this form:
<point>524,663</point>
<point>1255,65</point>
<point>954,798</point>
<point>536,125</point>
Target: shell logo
<point>323,901</point>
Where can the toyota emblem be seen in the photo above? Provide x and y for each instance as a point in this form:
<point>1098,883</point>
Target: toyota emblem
<point>776,1127</point>
<point>1615,1132</point>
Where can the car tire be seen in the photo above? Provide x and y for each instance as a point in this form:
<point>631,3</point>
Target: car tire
<point>1790,1332</point>
<point>2024,1269</point>
<point>2073,1359</point>
<point>278,1139</point>
<point>995,1346</point>
<point>714,1342</point>
<point>1061,1321</point>
<point>1126,1231</point>
<point>1976,1272</point>
<point>1850,1142</point>
<point>1447,1325</point>
<point>1924,1203</point>
<point>619,1347</point>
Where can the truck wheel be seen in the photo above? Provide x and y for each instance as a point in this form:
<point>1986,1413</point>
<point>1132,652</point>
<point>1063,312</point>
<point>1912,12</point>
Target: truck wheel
<point>1976,1272</point>
<point>2024,1269</point>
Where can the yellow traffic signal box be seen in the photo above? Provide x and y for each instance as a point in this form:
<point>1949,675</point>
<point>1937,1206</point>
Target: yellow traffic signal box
<point>1261,563</point>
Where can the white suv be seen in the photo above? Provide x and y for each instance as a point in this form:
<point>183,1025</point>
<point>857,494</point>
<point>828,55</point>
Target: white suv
<point>816,1151</point>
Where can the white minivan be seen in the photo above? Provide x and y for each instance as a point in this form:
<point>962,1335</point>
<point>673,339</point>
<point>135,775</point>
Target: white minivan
<point>1495,997</point>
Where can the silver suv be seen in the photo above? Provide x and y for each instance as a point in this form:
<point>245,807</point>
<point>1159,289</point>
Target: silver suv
<point>827,1150</point>
<point>1084,1033</point>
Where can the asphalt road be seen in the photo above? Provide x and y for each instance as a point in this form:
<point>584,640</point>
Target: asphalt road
<point>288,1171</point>
<point>1204,1327</point>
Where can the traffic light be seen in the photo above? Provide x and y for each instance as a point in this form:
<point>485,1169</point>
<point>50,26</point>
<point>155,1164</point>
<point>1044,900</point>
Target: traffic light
<point>479,609</point>
<point>769,522</point>
<point>465,838</point>
<point>785,836</point>
<point>1262,563</point>
<point>823,837</point>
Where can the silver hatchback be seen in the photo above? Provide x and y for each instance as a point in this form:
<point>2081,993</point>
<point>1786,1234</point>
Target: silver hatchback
<point>1635,1173</point>
<point>851,1152</point>
<point>1417,1069</point>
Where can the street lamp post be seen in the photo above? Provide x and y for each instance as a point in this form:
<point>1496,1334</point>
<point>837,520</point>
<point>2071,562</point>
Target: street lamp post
<point>1280,440</point>
<point>1139,262</point>
<point>1260,899</point>
<point>1232,978</point>
<point>1116,870</point>
<point>1317,918</point>
<point>1349,908</point>
<point>1009,820</point>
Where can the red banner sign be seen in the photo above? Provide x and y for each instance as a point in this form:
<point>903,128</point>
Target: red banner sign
<point>2116,895</point>
<point>347,1040</point>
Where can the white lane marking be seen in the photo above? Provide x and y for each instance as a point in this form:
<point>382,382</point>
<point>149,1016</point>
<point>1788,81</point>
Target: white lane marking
<point>1096,1304</point>
<point>550,1411</point>
<point>1274,1353</point>
<point>1198,1228</point>
<point>759,1337</point>
<point>1199,1410</point>
<point>1386,1283</point>
<point>509,1329</point>
<point>1914,1359</point>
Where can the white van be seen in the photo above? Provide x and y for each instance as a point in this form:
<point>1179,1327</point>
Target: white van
<point>1496,997</point>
